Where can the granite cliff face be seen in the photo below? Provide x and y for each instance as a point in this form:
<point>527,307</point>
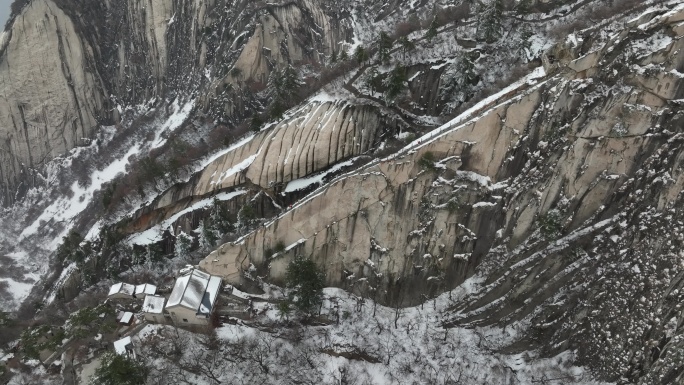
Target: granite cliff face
<point>51,99</point>
<point>565,143</point>
<point>549,205</point>
<point>69,66</point>
<point>545,195</point>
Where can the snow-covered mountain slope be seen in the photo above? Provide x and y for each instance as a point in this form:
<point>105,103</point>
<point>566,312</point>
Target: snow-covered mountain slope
<point>363,344</point>
<point>526,155</point>
<point>559,186</point>
<point>87,61</point>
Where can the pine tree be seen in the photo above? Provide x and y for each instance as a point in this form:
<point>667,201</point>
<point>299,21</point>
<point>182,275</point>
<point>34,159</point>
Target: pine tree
<point>396,82</point>
<point>344,56</point>
<point>406,46</point>
<point>333,57</point>
<point>373,81</point>
<point>255,123</point>
<point>306,283</point>
<point>277,109</point>
<point>384,47</point>
<point>432,31</point>
<point>182,246</point>
<point>220,217</point>
<point>154,252</point>
<point>360,55</point>
<point>523,6</point>
<point>467,69</point>
<point>490,22</point>
<point>525,44</point>
<point>70,249</point>
<point>291,82</point>
<point>116,369</point>
<point>89,321</point>
<point>283,89</point>
<point>209,235</point>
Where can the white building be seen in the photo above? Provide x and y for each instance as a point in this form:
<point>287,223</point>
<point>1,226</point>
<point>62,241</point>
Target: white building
<point>145,289</point>
<point>193,298</point>
<point>126,318</point>
<point>121,290</point>
<point>153,308</point>
<point>124,347</point>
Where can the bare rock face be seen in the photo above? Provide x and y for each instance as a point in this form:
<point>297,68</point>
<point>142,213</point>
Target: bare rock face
<point>270,43</point>
<point>396,223</point>
<point>557,204</point>
<point>50,98</point>
<point>558,199</point>
<point>69,65</point>
<point>319,135</point>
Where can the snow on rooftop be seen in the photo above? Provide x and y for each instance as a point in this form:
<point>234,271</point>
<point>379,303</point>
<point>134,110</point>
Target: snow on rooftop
<point>153,304</point>
<point>121,288</point>
<point>189,290</point>
<point>115,288</point>
<point>120,345</point>
<point>126,318</point>
<point>145,289</point>
<point>197,286</point>
<point>210,295</point>
<point>178,289</point>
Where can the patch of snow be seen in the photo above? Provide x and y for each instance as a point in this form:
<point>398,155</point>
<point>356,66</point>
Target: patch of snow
<point>415,76</point>
<point>300,184</point>
<point>231,148</point>
<point>241,166</point>
<point>154,234</point>
<point>177,118</point>
<point>292,246</point>
<point>470,114</point>
<point>483,204</point>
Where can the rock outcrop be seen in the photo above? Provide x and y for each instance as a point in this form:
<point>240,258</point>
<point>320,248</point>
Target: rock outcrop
<point>564,184</point>
<point>68,66</point>
<point>316,137</point>
<point>50,96</point>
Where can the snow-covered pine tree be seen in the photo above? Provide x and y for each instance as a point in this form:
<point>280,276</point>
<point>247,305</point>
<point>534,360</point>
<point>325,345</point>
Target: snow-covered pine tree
<point>406,46</point>
<point>431,32</point>
<point>283,90</point>
<point>525,43</point>
<point>395,82</point>
<point>467,69</point>
<point>360,55</point>
<point>182,245</point>
<point>384,47</point>
<point>490,21</point>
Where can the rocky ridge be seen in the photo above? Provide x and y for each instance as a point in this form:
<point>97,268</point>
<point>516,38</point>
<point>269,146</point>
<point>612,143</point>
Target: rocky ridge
<point>552,205</point>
